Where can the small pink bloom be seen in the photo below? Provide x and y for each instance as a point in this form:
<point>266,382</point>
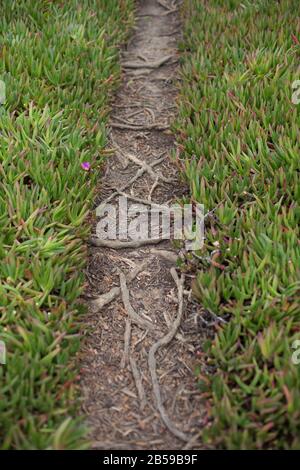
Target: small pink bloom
<point>86,166</point>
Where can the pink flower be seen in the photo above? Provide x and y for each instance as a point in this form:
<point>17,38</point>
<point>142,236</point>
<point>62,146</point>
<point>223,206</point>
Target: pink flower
<point>86,166</point>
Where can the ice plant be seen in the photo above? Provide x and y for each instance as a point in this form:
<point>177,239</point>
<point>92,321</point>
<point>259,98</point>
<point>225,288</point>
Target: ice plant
<point>43,203</point>
<point>86,166</point>
<point>239,134</point>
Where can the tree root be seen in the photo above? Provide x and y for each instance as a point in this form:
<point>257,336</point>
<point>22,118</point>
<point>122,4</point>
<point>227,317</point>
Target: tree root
<point>192,441</point>
<point>139,320</point>
<point>108,297</point>
<point>117,245</point>
<point>166,255</point>
<point>147,65</point>
<point>164,341</point>
<point>142,127</point>
<point>166,13</point>
<point>148,168</point>
<point>144,201</point>
<point>162,4</point>
<point>170,10</point>
<point>138,175</point>
<point>153,187</point>
<point>127,336</point>
<point>138,382</point>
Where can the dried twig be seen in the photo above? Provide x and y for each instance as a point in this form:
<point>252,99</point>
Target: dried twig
<point>111,445</point>
<point>165,340</point>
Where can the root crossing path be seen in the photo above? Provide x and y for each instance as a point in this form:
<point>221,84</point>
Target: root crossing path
<point>140,349</point>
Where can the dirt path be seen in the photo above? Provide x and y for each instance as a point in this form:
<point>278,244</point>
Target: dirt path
<point>139,389</point>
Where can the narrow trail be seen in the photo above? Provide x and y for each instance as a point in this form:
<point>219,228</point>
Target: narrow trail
<point>143,334</point>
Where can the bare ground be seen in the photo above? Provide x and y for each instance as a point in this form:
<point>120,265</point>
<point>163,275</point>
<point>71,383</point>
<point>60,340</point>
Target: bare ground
<point>139,390</point>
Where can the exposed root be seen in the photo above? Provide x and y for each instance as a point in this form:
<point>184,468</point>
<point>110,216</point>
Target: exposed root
<point>120,155</point>
<point>153,187</point>
<point>125,121</point>
<point>164,341</point>
<point>138,175</point>
<point>128,410</point>
<point>116,245</point>
<point>166,13</point>
<point>144,201</point>
<point>138,383</point>
<point>162,4</point>
<point>166,35</point>
<point>127,336</point>
<point>148,168</point>
<point>142,127</point>
<point>151,113</point>
<point>142,164</point>
<point>166,255</point>
<point>192,441</point>
<point>147,65</point>
<point>139,320</point>
<point>170,10</point>
<point>104,445</point>
<point>108,297</point>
